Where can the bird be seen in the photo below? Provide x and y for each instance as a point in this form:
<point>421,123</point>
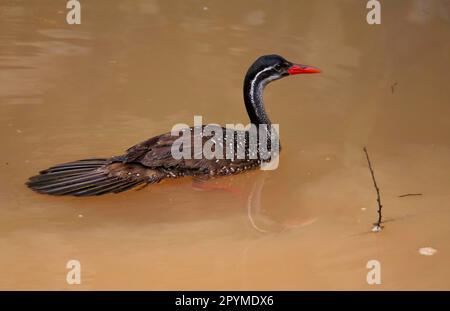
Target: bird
<point>153,160</point>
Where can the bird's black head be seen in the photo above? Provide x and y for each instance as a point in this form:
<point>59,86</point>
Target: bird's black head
<point>265,69</point>
<point>272,67</point>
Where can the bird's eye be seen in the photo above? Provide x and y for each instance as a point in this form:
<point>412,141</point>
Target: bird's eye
<point>277,67</point>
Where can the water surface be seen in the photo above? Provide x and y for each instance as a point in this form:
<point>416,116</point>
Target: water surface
<point>133,69</point>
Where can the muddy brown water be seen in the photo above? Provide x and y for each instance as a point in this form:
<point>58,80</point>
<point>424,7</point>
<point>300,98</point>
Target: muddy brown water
<point>133,69</point>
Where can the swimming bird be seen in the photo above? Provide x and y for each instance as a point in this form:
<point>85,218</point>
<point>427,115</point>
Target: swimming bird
<point>152,160</point>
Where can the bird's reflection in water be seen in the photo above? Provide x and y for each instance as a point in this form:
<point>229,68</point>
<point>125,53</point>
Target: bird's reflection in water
<point>259,220</point>
<point>252,201</point>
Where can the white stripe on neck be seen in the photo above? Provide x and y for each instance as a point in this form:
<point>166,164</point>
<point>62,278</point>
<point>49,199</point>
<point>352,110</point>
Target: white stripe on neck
<point>252,84</point>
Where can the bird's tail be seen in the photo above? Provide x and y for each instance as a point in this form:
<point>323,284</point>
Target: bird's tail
<point>88,177</point>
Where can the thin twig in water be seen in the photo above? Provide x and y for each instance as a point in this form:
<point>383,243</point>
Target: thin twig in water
<point>393,87</point>
<point>409,195</point>
<point>377,226</point>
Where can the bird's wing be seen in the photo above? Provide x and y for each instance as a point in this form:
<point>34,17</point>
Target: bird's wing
<point>156,152</point>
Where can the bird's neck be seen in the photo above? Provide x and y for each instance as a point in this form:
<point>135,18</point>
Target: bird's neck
<point>253,98</point>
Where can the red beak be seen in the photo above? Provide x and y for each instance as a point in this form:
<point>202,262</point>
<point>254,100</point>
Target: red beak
<point>298,69</point>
